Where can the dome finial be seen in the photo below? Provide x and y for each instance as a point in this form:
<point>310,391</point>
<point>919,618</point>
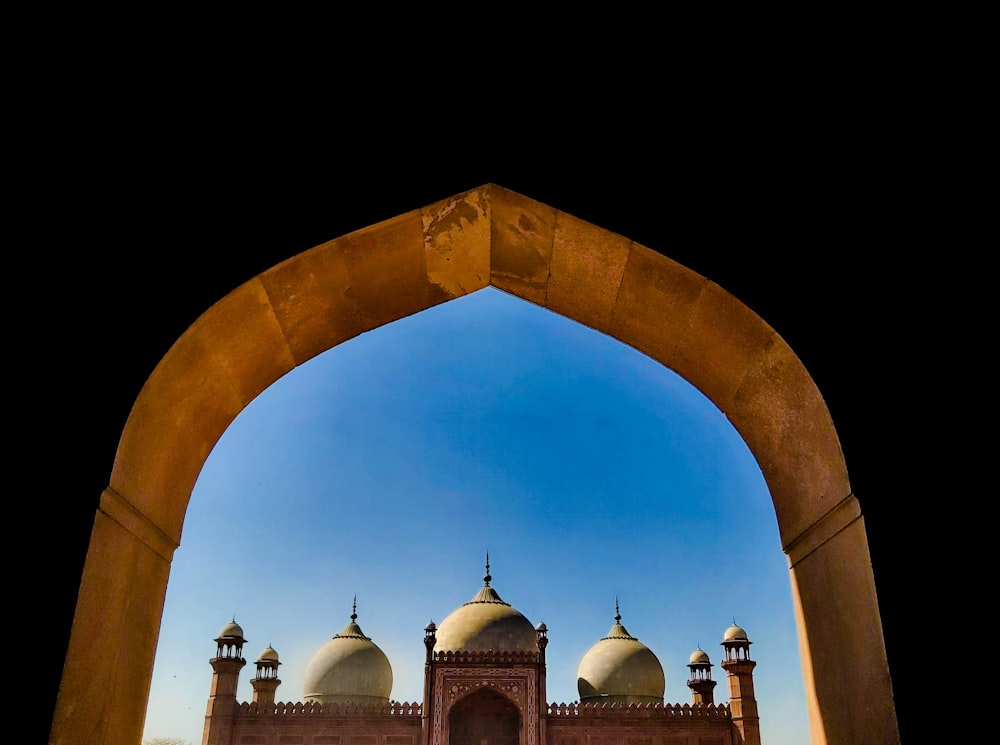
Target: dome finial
<point>354,608</point>
<point>618,614</point>
<point>487,577</point>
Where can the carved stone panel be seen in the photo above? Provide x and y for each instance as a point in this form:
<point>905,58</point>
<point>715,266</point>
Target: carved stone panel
<point>452,684</point>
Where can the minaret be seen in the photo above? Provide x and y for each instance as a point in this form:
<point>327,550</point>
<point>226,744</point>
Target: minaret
<point>739,667</point>
<point>430,638</point>
<point>701,684</point>
<point>226,666</point>
<point>267,681</point>
<point>542,632</point>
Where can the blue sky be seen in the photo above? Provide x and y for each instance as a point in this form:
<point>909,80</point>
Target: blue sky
<point>389,466</point>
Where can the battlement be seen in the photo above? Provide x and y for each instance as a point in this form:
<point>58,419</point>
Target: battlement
<point>485,657</point>
<point>314,708</point>
<point>657,710</point>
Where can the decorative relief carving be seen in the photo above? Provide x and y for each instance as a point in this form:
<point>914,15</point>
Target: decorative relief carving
<point>658,710</point>
<point>517,684</point>
<point>459,689</point>
<point>298,709</point>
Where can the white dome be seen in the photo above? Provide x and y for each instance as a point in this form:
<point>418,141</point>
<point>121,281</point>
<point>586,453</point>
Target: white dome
<point>348,668</point>
<point>734,633</point>
<point>231,630</point>
<point>699,657</point>
<point>486,623</point>
<point>268,655</point>
<point>620,669</point>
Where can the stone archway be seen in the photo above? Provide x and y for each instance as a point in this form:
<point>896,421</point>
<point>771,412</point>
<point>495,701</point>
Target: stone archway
<point>484,718</point>
<point>488,236</point>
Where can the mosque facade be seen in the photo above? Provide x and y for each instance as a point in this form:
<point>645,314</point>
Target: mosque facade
<point>484,684</point>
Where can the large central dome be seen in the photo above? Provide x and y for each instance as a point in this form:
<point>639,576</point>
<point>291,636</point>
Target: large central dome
<point>486,623</point>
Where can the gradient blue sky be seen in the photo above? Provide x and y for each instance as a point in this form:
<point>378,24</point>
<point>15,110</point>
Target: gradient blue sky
<point>387,467</point>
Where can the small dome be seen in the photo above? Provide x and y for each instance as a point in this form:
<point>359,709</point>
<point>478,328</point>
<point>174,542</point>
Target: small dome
<point>348,668</point>
<point>268,655</point>
<point>699,657</point>
<point>734,633</point>
<point>620,669</point>
<point>231,630</point>
<point>486,623</point>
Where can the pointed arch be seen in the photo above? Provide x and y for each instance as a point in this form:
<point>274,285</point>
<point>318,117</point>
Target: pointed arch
<point>484,716</point>
<point>485,237</point>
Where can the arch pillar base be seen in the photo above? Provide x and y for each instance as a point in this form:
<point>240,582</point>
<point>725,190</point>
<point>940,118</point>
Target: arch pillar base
<point>834,597</point>
<point>106,677</point>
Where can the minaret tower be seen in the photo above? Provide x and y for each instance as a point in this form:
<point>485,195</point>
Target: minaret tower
<point>267,681</point>
<point>742,702</point>
<point>226,666</point>
<point>701,684</point>
<point>430,638</point>
<point>542,632</point>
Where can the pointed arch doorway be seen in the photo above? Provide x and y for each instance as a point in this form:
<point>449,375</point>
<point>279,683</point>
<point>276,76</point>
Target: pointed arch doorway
<point>484,718</point>
<point>486,237</point>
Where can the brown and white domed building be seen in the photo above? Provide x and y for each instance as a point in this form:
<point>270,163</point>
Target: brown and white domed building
<point>484,684</point>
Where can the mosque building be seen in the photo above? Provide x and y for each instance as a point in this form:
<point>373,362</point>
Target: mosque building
<point>484,684</point>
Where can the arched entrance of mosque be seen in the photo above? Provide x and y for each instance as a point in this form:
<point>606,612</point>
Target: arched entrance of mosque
<point>485,237</point>
<point>484,718</point>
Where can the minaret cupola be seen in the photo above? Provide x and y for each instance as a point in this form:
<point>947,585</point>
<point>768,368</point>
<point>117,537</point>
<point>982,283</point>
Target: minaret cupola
<point>266,682</point>
<point>230,641</point>
<point>736,643</point>
<point>267,663</point>
<point>701,684</point>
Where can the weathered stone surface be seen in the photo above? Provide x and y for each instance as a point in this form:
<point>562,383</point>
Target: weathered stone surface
<point>521,245</point>
<point>312,300</point>
<point>457,243</point>
<point>654,304</point>
<point>103,693</point>
<point>835,594</point>
<point>780,414</point>
<point>588,264</point>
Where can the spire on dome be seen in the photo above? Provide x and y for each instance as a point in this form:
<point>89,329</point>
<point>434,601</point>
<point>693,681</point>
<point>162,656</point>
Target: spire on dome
<point>486,593</point>
<point>352,630</point>
<point>618,631</point>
